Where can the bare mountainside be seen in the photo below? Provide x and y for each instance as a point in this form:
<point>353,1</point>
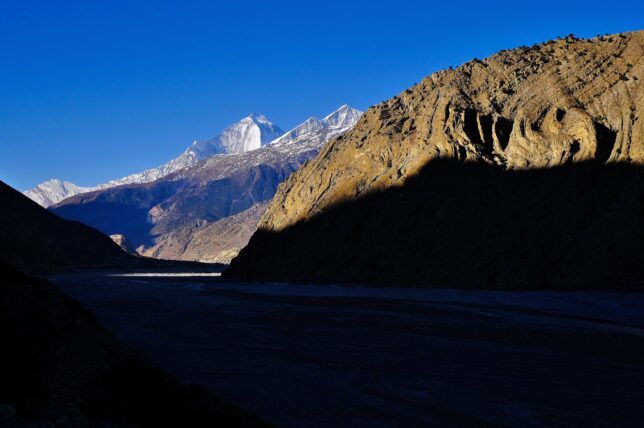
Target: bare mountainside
<point>528,132</point>
<point>209,242</point>
<point>187,215</point>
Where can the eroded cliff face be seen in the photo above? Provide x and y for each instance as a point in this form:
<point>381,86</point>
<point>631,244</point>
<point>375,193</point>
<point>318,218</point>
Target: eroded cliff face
<point>521,171</point>
<point>564,101</point>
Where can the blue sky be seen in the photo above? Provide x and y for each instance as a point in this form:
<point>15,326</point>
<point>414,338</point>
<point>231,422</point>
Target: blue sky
<point>94,90</point>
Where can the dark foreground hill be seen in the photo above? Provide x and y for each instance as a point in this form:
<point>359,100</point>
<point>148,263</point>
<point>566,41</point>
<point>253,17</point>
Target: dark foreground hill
<point>58,366</point>
<point>549,193</point>
<point>33,238</point>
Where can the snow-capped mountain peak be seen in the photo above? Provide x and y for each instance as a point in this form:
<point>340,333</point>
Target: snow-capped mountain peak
<point>315,133</point>
<point>343,117</point>
<point>53,191</point>
<point>294,147</point>
<point>250,133</point>
<point>259,118</point>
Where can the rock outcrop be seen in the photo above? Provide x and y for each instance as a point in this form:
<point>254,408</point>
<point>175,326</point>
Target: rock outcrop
<point>123,242</point>
<point>552,106</point>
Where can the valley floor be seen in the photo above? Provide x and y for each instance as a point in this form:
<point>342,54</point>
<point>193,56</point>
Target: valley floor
<point>302,355</point>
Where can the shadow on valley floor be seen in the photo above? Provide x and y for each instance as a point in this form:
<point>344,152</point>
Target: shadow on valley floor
<point>59,365</point>
<point>471,226</point>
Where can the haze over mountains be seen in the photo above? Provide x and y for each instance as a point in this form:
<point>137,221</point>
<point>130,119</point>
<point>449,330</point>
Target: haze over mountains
<point>163,218</point>
<point>523,170</point>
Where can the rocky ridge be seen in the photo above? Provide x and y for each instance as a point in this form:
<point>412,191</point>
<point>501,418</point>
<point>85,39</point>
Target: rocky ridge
<point>526,134</point>
<point>566,100</point>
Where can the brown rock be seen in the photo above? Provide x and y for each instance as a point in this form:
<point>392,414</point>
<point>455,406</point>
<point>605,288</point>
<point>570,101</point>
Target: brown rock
<point>523,170</point>
<point>566,100</point>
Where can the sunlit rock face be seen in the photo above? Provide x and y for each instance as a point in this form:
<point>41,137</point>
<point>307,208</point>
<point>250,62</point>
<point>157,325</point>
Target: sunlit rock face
<point>563,101</point>
<point>565,106</point>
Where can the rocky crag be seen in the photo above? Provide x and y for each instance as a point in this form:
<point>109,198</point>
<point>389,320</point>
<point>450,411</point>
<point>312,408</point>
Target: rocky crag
<point>565,109</point>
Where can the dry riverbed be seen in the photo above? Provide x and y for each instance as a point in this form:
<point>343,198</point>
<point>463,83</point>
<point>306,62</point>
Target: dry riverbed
<point>302,355</point>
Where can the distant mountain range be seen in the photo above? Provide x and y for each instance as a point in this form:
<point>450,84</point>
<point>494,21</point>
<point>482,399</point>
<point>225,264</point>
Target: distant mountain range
<point>182,215</point>
<point>250,133</point>
<point>53,191</point>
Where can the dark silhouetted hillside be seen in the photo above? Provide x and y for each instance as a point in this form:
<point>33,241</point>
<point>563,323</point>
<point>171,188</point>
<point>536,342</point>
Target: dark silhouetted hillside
<point>34,238</point>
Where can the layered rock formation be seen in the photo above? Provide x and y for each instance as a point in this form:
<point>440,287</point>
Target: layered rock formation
<point>553,105</point>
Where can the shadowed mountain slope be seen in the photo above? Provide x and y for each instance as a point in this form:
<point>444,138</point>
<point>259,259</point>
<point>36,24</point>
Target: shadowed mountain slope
<point>470,226</point>
<point>561,103</point>
<point>144,212</point>
<point>209,242</point>
<point>33,238</point>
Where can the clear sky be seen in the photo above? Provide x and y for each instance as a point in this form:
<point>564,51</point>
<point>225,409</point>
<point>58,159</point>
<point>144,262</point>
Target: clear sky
<point>93,90</point>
